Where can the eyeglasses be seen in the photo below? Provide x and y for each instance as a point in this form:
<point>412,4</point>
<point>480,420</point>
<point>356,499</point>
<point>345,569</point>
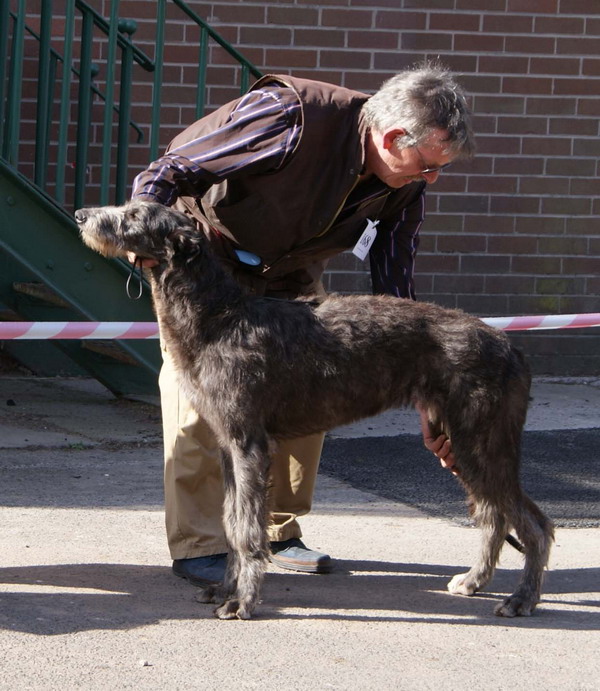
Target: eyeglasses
<point>426,170</point>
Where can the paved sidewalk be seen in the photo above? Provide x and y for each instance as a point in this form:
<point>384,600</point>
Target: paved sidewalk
<point>87,598</point>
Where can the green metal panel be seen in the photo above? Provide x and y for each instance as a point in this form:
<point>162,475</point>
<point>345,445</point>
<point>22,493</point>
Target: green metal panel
<point>40,242</point>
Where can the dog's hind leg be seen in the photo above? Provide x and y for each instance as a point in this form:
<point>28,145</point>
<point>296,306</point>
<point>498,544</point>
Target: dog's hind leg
<point>246,474</point>
<point>494,528</point>
<point>536,532</point>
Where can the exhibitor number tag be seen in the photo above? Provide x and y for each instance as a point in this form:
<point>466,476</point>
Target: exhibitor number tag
<point>362,247</point>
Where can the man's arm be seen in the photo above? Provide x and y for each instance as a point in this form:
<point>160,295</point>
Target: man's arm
<point>393,253</point>
<point>392,259</point>
<point>258,136</point>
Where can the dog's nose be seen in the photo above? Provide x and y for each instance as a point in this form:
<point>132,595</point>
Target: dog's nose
<point>80,216</point>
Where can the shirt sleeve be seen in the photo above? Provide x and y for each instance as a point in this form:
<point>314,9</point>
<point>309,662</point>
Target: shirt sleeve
<point>258,137</point>
<point>392,255</point>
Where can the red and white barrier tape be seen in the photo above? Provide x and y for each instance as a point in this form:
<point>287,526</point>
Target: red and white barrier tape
<point>147,330</point>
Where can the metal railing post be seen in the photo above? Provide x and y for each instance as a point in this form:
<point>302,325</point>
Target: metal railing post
<point>128,27</point>
<point>83,109</point>
<point>13,115</point>
<point>65,105</point>
<point>43,96</point>
<point>109,101</point>
<point>159,45</point>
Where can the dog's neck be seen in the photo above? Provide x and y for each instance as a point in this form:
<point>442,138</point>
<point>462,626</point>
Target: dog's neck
<point>192,291</point>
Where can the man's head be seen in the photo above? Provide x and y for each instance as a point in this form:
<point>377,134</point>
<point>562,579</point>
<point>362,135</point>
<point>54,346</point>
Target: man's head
<point>419,122</point>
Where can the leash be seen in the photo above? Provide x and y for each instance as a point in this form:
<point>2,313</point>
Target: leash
<point>141,280</point>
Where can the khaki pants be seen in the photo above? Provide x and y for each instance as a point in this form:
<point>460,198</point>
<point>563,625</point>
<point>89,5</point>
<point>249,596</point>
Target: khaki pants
<point>193,488</point>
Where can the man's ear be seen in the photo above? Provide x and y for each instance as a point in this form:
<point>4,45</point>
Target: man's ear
<point>389,137</point>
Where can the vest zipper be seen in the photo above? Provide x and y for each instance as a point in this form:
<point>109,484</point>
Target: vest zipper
<point>327,228</point>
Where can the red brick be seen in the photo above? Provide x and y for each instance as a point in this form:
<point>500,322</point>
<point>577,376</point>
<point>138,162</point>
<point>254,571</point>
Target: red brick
<point>509,284</point>
<point>319,38</point>
<point>464,204</point>
<point>479,43</point>
<point>344,59</point>
<point>522,125</point>
<point>582,265</point>
<point>588,106</point>
<point>508,23</point>
<point>428,4</point>
<point>540,226</point>
<point>483,5</point>
<point>580,45</point>
<point>463,244</point>
<point>584,87</point>
<point>551,106</point>
<point>527,85</point>
<point>485,264</point>
<point>453,21</point>
<point>347,19</point>
<point>290,58</point>
<point>499,104</point>
<point>546,146</point>
<point>554,66</point>
<point>437,263</point>
<point>375,40</point>
<point>425,41</point>
<point>492,185</point>
<point>503,64</point>
<point>512,244</point>
<point>499,145</point>
<point>492,224</point>
<point>401,20</point>
<point>292,16</point>
<point>580,126</point>
<point>458,283</point>
<point>478,84</point>
<point>514,205</point>
<point>562,246</point>
<point>534,6</point>
<point>543,185</point>
<point>583,7</point>
<point>530,44</point>
<point>265,36</point>
<point>536,264</point>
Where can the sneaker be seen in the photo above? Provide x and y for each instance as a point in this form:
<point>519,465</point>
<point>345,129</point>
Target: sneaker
<point>294,555</point>
<point>202,571</point>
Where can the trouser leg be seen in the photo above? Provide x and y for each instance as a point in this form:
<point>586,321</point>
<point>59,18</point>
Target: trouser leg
<point>193,487</point>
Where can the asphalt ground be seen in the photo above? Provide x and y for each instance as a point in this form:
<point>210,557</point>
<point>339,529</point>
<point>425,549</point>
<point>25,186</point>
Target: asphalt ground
<point>88,599</point>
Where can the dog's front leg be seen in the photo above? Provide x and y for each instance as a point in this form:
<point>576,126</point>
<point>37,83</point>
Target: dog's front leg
<point>245,474</point>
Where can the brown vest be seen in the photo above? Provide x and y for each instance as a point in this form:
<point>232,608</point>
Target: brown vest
<point>288,218</point>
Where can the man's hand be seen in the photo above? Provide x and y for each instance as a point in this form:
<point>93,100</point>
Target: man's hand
<point>440,445</point>
<point>144,263</point>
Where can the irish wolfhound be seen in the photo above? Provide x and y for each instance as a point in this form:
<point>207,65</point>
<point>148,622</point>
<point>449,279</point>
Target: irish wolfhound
<point>259,370</point>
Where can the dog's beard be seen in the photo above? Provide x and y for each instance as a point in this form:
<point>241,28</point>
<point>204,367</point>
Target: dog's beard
<point>99,242</point>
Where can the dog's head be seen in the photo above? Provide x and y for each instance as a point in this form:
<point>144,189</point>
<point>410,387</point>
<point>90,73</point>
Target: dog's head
<point>139,227</point>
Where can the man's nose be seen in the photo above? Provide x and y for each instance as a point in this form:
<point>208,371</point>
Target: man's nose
<point>430,178</point>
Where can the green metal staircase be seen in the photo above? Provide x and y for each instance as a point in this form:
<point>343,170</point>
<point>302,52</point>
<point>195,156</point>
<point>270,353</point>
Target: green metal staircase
<point>66,101</point>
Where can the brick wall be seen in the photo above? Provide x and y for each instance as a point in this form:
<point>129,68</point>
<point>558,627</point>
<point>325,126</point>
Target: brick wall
<point>513,232</point>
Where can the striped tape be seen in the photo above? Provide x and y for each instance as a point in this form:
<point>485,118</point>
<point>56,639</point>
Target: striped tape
<point>32,331</point>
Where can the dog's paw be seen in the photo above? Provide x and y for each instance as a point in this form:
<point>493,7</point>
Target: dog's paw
<point>463,584</point>
<point>515,606</point>
<point>233,609</point>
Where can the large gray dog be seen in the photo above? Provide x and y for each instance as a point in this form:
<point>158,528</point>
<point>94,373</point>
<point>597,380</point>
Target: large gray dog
<point>260,370</point>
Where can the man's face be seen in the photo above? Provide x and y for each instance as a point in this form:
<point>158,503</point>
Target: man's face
<point>397,165</point>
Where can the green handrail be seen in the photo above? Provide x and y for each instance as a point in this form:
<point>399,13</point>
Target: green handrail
<point>122,56</point>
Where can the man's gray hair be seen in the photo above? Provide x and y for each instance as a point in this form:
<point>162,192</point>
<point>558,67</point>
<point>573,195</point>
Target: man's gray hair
<point>420,100</point>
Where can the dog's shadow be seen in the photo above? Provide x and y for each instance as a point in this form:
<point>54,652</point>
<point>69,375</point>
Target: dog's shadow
<point>66,598</point>
<point>417,593</point>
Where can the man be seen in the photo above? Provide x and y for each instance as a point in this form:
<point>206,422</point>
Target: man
<point>281,179</point>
